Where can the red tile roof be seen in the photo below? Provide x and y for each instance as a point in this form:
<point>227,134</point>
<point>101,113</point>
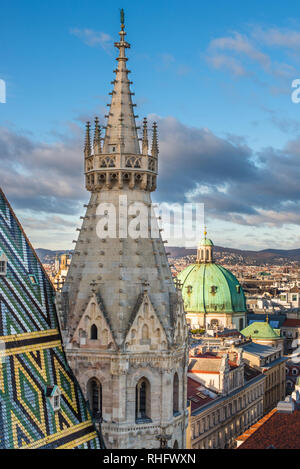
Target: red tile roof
<point>277,430</point>
<point>292,323</point>
<point>194,394</point>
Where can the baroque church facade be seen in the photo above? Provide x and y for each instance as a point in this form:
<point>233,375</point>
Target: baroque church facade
<point>122,317</point>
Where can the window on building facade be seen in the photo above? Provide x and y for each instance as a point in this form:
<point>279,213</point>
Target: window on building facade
<point>175,394</point>
<point>142,400</point>
<point>94,390</point>
<point>94,332</point>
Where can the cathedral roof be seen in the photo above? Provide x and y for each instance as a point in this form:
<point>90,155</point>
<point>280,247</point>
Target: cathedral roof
<point>33,369</point>
<point>211,288</point>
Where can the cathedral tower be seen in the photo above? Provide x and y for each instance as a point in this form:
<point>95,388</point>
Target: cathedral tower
<point>123,318</point>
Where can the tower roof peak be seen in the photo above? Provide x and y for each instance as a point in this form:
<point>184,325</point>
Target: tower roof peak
<point>121,130</point>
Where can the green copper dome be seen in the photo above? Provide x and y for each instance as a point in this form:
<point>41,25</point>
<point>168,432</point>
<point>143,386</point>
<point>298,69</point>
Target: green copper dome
<point>261,330</point>
<point>210,288</point>
<point>206,242</point>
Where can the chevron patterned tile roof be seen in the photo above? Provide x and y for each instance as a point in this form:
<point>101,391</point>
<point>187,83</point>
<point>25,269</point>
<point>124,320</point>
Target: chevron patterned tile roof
<point>33,366</point>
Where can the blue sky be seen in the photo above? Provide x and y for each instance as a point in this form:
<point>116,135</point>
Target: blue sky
<point>218,78</point>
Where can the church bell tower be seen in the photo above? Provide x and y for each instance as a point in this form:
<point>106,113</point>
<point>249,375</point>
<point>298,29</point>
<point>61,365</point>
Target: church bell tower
<point>122,316</point>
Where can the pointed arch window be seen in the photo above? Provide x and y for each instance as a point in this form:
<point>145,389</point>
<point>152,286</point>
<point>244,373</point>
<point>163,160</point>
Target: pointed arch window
<point>175,394</point>
<point>94,332</point>
<point>143,400</point>
<point>94,389</point>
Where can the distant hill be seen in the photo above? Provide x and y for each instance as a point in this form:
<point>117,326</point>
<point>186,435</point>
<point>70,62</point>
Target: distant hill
<point>269,256</point>
<point>229,255</point>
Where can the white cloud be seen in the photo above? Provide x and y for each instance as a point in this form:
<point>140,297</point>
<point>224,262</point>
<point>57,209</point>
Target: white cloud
<point>277,37</point>
<point>241,45</point>
<point>230,63</point>
<point>93,38</point>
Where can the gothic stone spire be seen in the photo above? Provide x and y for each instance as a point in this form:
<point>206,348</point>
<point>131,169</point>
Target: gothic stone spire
<point>120,163</point>
<point>121,131</point>
<point>97,137</point>
<point>87,143</point>
<point>123,314</point>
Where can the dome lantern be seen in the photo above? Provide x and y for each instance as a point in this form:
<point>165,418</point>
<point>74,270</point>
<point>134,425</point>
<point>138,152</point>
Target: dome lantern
<point>205,250</point>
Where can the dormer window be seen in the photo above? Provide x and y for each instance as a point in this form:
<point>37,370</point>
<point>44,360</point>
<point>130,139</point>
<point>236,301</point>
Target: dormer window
<point>213,289</point>
<point>33,279</point>
<point>54,396</point>
<point>3,264</point>
<point>2,268</point>
<point>238,289</point>
<point>56,402</point>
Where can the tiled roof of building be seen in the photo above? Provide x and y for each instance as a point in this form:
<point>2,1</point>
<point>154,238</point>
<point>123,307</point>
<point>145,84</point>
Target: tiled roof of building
<point>292,323</point>
<point>260,330</point>
<point>250,373</point>
<point>207,364</point>
<point>197,394</point>
<point>33,358</point>
<point>260,350</point>
<point>276,430</point>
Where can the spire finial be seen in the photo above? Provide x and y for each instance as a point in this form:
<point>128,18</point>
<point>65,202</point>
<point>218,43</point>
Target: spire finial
<point>154,140</point>
<point>122,18</point>
<point>205,232</point>
<point>87,144</point>
<point>122,45</point>
<point>121,130</point>
<point>145,137</point>
<point>97,137</point>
